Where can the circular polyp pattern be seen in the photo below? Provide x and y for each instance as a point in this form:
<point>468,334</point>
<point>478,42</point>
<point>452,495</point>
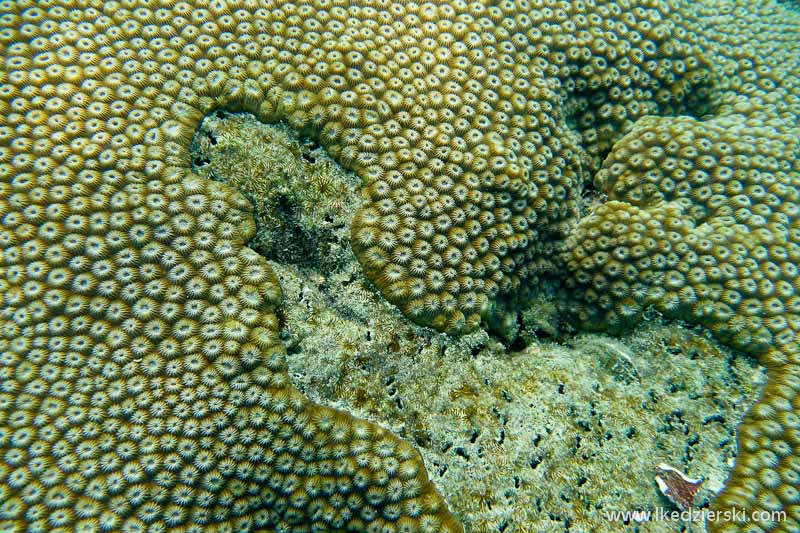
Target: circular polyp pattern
<point>713,205</point>
<point>142,380</point>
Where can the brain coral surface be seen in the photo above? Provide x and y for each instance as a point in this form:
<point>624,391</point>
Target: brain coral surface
<point>143,385</point>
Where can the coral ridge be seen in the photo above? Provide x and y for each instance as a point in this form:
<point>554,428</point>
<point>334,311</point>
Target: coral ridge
<point>142,382</point>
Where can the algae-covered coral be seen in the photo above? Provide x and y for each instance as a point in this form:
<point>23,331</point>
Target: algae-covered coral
<point>303,201</point>
<point>702,223</point>
<point>548,438</point>
<point>129,298</point>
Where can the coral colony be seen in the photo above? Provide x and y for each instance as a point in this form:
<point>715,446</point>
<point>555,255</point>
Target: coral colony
<point>551,436</point>
<point>143,384</point>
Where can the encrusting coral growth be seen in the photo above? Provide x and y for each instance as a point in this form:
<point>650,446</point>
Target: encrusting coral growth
<point>142,383</point>
<point>545,439</point>
<point>143,386</point>
<point>702,223</point>
<point>548,438</point>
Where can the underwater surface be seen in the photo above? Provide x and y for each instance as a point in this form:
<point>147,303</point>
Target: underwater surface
<point>551,432</point>
<point>374,265</point>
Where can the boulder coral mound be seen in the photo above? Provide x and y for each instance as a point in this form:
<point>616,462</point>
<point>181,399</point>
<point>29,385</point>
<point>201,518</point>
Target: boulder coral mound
<point>702,223</point>
<point>143,386</point>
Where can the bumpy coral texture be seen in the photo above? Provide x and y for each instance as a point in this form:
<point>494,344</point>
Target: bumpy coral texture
<point>455,115</point>
<point>143,386</point>
<point>702,223</point>
<point>468,141</point>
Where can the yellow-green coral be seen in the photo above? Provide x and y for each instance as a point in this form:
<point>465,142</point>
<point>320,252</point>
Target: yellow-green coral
<point>123,275</point>
<point>471,161</point>
<point>664,394</point>
<point>142,382</point>
<point>702,223</point>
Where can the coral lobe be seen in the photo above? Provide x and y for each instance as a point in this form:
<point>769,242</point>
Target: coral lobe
<point>142,381</point>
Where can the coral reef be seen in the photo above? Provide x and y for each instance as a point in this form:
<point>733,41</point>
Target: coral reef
<point>548,438</point>
<point>702,223</point>
<point>143,384</point>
